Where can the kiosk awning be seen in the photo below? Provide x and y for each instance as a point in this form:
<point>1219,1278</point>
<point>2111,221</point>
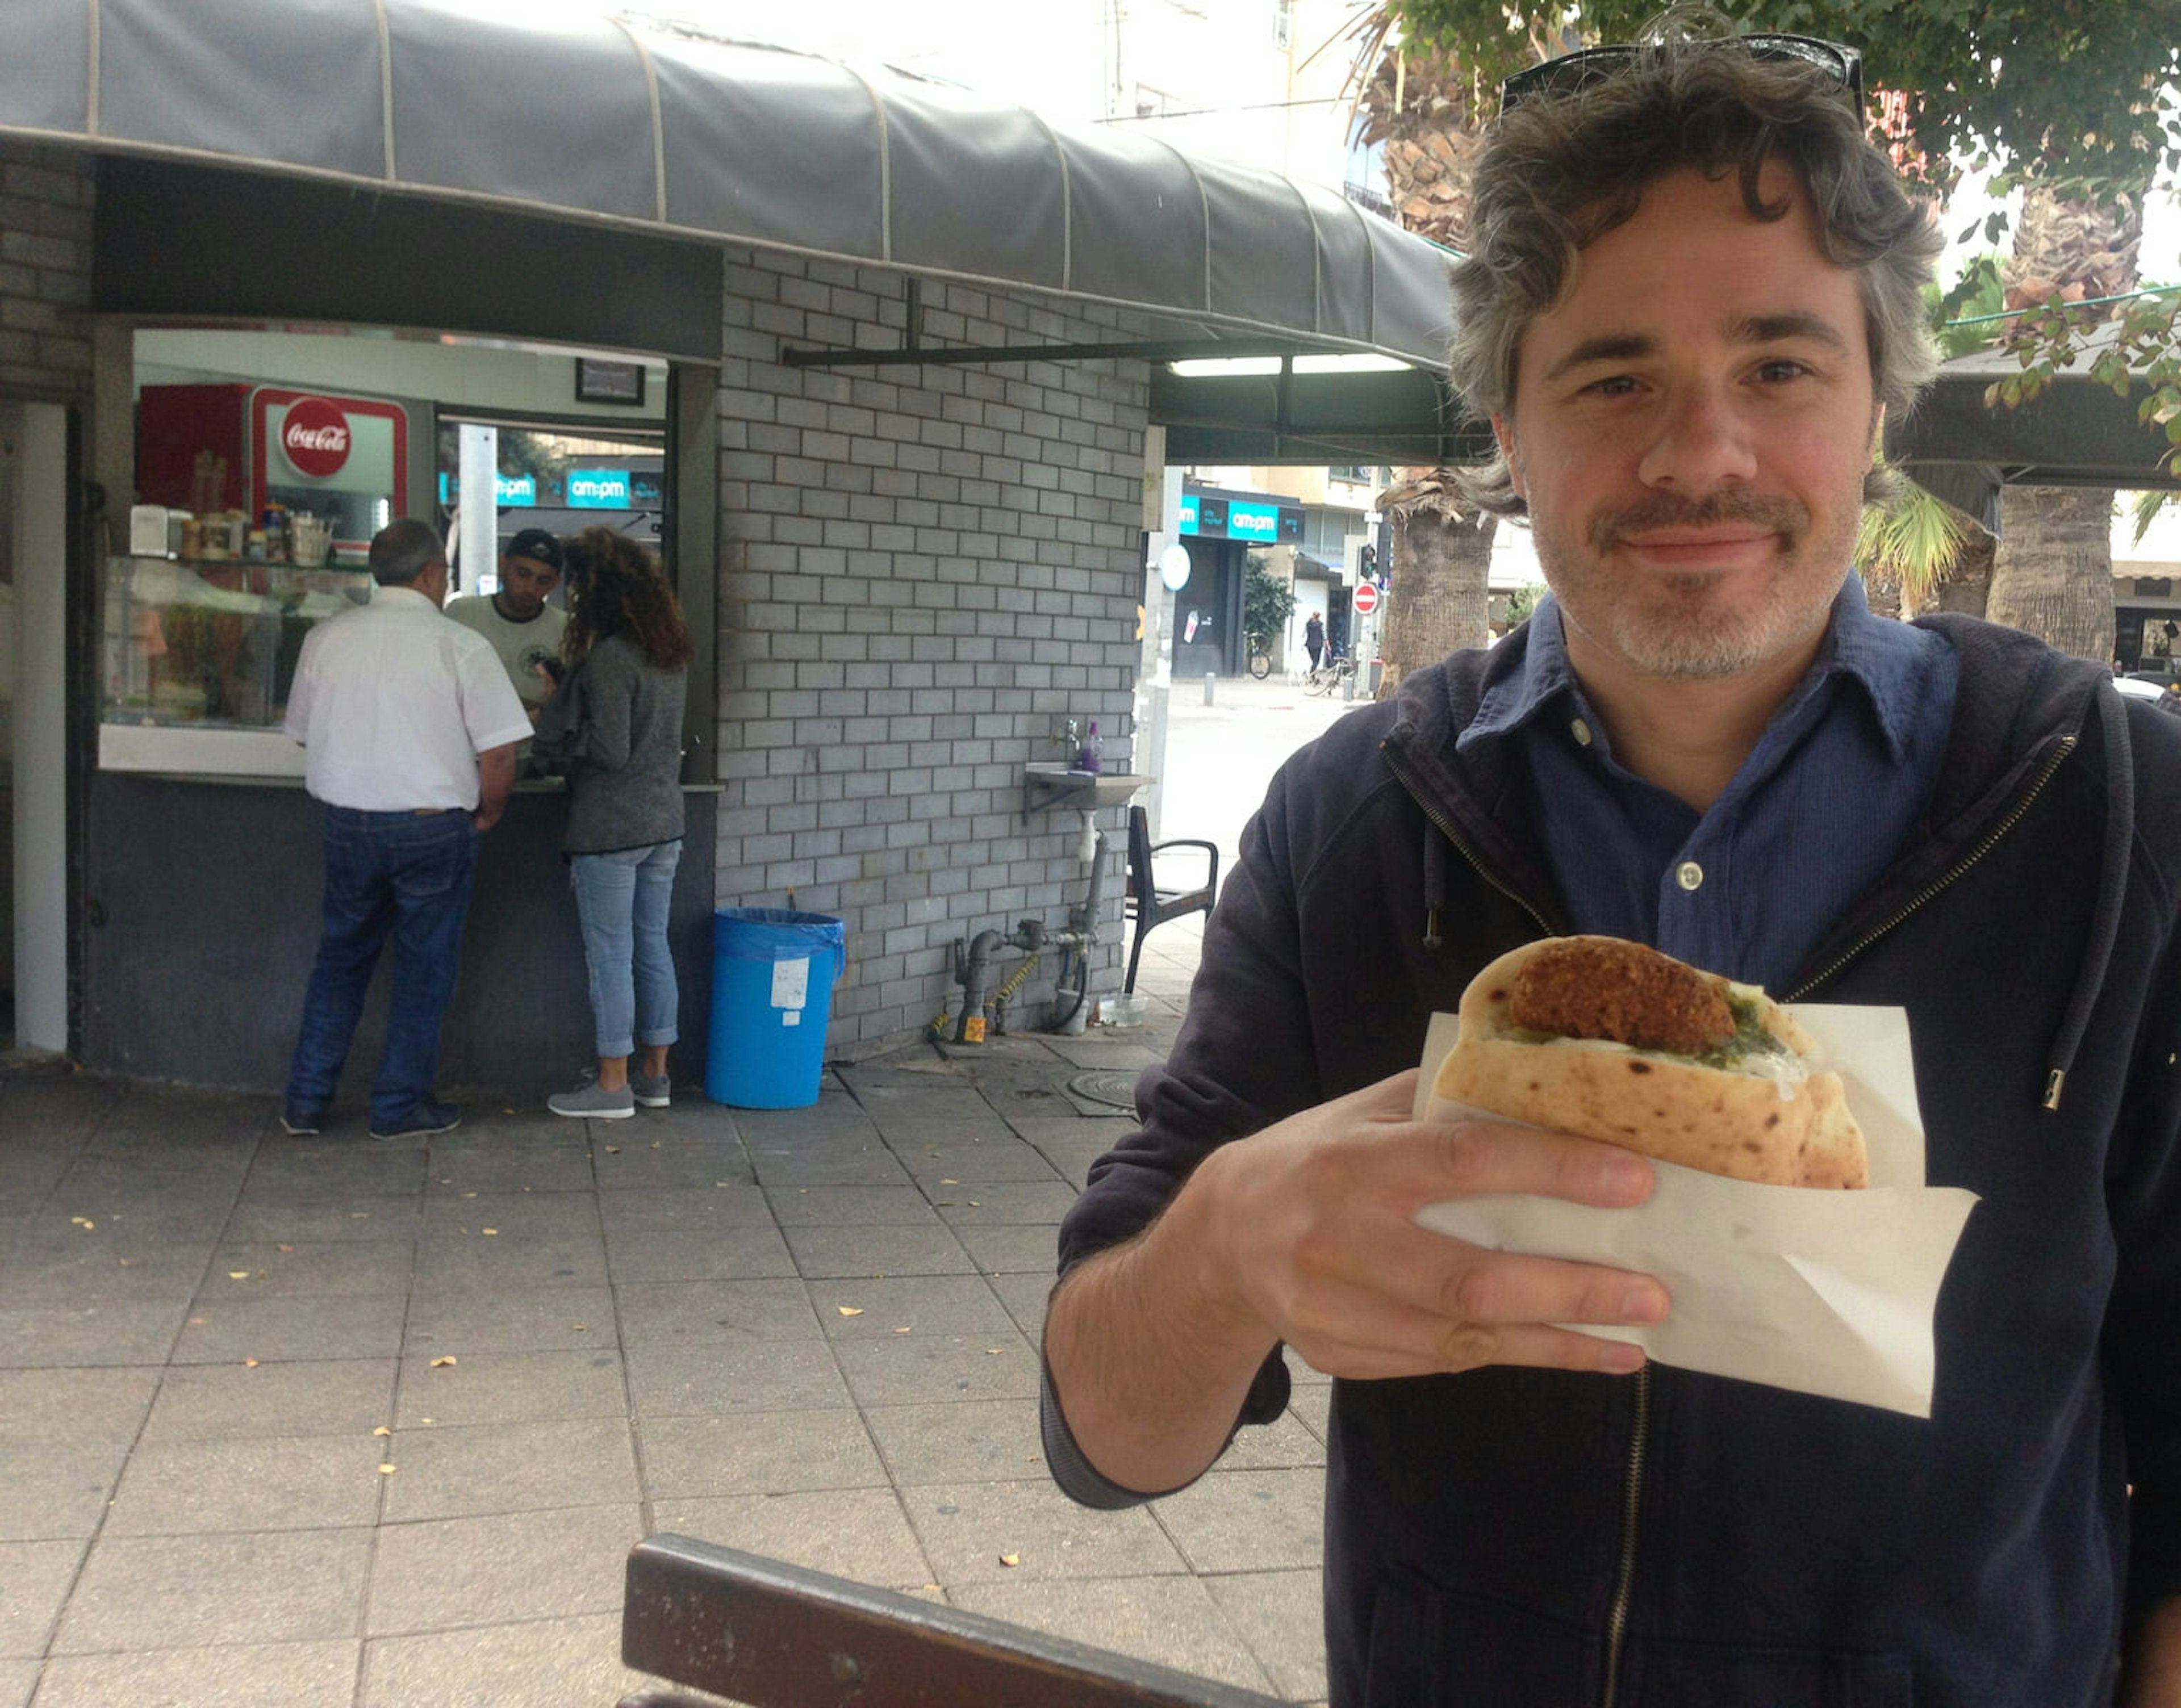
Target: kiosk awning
<point>643,125</point>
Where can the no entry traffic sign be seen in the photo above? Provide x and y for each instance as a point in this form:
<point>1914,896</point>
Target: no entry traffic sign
<point>1364,600</point>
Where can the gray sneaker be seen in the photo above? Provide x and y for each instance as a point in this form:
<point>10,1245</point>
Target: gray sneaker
<point>593,1101</point>
<point>653,1092</point>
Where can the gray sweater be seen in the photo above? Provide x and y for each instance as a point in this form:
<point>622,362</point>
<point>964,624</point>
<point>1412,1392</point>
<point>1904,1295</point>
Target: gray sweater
<point>613,730</point>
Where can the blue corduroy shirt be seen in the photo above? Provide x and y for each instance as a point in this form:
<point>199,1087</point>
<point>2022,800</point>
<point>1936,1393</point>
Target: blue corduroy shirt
<point>1816,813</point>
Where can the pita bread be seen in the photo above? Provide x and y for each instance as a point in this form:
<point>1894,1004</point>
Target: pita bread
<point>1773,1117</point>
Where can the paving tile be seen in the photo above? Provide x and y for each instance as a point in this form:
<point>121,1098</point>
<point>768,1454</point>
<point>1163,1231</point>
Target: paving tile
<point>450,1473</point>
<point>485,1320</point>
<point>97,1275</point>
<point>54,1489</point>
<point>877,1250</point>
<point>1015,1202</point>
<point>668,1311</point>
<point>1283,1444</point>
<point>307,1268</point>
<point>511,1388</point>
<point>725,1253</point>
<point>157,1592</point>
<point>548,1664</point>
<point>358,1215</point>
<point>757,1453</point>
<point>278,1483</point>
<point>367,1327</point>
<point>964,1441</point>
<point>445,1574</point>
<point>857,1534</point>
<point>99,1332</point>
<point>510,1166</point>
<point>97,1405</point>
<point>18,1679</point>
<point>849,1206</point>
<point>35,1579</point>
<point>1006,1158</point>
<point>205,1403</point>
<point>516,1214</point>
<point>447,1264</point>
<point>969,1529</point>
<point>1281,1616</point>
<point>917,1304</point>
<point>716,1377</point>
<point>912,1369</point>
<point>1013,1250</point>
<point>726,1202</point>
<point>1170,1620</point>
<point>640,1160</point>
<point>1025,1297</point>
<point>868,1164</point>
<point>1248,1520</point>
<point>237,1675</point>
<point>313,1170</point>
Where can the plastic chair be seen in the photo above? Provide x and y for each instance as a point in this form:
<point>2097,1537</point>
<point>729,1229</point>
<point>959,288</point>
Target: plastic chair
<point>1149,905</point>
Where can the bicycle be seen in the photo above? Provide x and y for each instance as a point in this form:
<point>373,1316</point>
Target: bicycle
<point>1328,677</point>
<point>1261,659</point>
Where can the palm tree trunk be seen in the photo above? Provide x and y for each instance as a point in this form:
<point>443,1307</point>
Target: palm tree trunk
<point>2053,573</point>
<point>1438,603</point>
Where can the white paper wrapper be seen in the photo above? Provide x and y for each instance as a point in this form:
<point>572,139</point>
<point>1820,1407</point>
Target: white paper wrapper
<point>1824,1293</point>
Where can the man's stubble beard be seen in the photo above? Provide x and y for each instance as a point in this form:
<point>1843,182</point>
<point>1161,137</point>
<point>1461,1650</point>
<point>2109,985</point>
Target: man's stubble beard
<point>1677,631</point>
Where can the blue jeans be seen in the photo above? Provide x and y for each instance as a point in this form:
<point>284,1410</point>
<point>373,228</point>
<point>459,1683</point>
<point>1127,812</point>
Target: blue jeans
<point>403,874</point>
<point>621,900</point>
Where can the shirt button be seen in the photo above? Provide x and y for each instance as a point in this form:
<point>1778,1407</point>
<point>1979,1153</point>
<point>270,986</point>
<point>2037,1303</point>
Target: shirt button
<point>1581,731</point>
<point>1689,875</point>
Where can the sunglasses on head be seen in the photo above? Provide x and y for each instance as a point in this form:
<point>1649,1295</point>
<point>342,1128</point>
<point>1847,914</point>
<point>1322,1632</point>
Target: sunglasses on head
<point>1578,70</point>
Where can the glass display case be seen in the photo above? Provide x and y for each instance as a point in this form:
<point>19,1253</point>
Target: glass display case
<point>197,657</point>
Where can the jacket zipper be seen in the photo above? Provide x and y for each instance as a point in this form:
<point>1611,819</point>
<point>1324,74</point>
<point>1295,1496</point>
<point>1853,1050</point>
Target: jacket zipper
<point>1460,846</point>
<point>1946,879</point>
<point>1617,1621</point>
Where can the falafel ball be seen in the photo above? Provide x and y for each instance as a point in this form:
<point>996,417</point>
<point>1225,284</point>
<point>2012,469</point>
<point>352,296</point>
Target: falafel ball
<point>1601,987</point>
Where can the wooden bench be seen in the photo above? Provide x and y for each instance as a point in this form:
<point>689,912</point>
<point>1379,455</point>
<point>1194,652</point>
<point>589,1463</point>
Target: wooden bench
<point>1149,905</point>
<point>772,1635</point>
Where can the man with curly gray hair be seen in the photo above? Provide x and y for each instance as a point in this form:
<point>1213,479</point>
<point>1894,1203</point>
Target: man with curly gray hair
<point>1692,301</point>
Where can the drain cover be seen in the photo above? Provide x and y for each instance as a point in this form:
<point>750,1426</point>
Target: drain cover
<point>1108,1087</point>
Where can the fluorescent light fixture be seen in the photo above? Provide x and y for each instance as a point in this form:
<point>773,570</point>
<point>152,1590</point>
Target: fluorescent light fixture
<point>1234,366</point>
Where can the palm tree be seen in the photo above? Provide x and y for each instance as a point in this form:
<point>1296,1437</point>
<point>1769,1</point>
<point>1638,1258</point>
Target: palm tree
<point>1438,599</point>
<point>2052,575</point>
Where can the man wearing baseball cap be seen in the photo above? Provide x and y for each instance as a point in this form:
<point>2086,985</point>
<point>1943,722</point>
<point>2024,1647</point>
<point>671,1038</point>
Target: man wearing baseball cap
<point>523,629</point>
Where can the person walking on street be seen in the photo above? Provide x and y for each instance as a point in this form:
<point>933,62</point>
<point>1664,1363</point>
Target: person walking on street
<point>1693,295</point>
<point>409,728</point>
<point>614,727</point>
<point>1313,639</point>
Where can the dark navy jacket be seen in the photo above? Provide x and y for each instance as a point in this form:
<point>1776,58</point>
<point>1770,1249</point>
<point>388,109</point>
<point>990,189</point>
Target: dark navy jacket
<point>1519,1539</point>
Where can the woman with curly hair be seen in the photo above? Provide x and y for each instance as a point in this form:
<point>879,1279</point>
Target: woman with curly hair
<point>613,728</point>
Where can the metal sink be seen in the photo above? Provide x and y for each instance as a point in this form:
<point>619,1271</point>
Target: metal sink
<point>1051,784</point>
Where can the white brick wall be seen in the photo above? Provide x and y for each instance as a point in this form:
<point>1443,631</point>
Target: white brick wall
<point>46,201</point>
<point>924,570</point>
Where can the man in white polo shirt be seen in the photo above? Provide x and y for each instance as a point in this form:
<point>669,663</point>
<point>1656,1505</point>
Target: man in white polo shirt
<point>411,726</point>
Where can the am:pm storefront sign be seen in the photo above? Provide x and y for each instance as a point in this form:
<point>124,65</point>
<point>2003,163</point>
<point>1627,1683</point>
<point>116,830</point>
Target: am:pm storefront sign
<point>1262,523</point>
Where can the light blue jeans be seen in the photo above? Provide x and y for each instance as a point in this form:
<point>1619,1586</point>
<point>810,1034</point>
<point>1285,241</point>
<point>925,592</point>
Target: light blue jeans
<point>621,900</point>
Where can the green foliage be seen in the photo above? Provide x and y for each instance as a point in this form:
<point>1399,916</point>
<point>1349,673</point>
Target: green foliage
<point>1965,318</point>
<point>1522,603</point>
<point>1912,541</point>
<point>1267,603</point>
<point>2061,89</point>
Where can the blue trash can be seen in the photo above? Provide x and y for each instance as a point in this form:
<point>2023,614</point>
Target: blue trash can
<point>772,993</point>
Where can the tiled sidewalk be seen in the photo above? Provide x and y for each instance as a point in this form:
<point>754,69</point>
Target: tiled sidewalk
<point>305,1422</point>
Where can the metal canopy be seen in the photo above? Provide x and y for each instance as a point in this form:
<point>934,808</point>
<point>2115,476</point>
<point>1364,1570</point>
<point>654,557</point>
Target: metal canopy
<point>611,121</point>
<point>2077,433</point>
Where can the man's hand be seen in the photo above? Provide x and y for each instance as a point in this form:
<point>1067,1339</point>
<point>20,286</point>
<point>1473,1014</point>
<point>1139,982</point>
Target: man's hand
<point>1315,1218</point>
<point>496,777</point>
<point>1305,1234</point>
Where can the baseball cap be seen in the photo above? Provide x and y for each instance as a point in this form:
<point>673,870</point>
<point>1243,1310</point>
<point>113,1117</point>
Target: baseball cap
<point>539,546</point>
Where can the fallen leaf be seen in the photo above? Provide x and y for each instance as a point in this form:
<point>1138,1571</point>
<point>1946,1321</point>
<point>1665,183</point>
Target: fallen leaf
<point>443,1361</point>
<point>490,1231</point>
<point>238,1274</point>
<point>469,1195</point>
<point>284,1248</point>
<point>613,1150</point>
<point>583,1328</point>
<point>976,1203</point>
<point>429,1421</point>
<point>994,1351</point>
<point>84,1222</point>
<point>127,1261</point>
<point>196,1322</point>
<point>387,1470</point>
<point>849,1310</point>
<point>382,1430</point>
<point>359,1215</point>
<point>950,1182</point>
<point>1011,1559</point>
<point>250,1363</point>
<point>507,1111</point>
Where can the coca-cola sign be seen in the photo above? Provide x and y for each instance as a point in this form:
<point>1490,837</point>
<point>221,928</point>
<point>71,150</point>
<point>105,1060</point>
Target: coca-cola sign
<point>315,437</point>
